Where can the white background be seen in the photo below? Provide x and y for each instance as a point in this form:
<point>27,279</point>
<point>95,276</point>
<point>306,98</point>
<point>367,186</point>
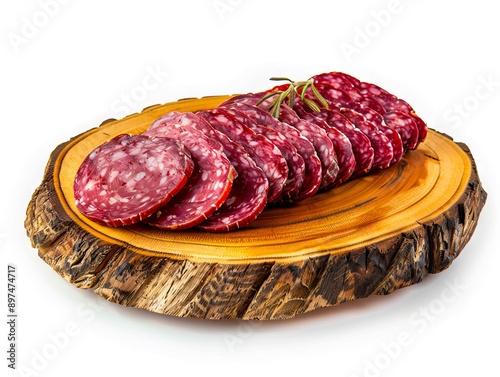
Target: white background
<point>66,68</point>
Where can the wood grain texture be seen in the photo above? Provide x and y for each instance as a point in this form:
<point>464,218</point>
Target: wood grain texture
<point>372,235</point>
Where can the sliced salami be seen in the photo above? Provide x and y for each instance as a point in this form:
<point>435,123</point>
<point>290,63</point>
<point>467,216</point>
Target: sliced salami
<point>372,116</point>
<point>394,137</point>
<point>296,164</point>
<point>382,147</point>
<point>342,145</point>
<point>217,169</point>
<point>248,196</point>
<point>342,102</point>
<point>313,173</point>
<point>265,154</point>
<point>338,81</point>
<point>361,146</point>
<point>128,178</point>
<point>365,105</point>
<point>209,185</point>
<point>390,103</point>
<point>403,123</point>
<point>405,127</point>
<point>319,138</point>
<point>316,135</point>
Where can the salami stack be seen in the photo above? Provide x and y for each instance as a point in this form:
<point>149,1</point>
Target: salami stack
<point>216,170</point>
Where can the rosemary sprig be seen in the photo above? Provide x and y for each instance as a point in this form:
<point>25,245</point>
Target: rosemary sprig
<point>294,89</point>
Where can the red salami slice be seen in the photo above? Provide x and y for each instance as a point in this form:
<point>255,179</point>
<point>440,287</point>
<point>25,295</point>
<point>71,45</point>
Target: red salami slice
<point>209,185</point>
<point>248,196</point>
<point>127,179</point>
<point>391,104</point>
<point>304,147</point>
<point>296,164</point>
<point>265,154</point>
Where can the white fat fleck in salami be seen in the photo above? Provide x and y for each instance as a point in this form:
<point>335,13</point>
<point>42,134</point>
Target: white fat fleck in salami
<point>127,179</point>
<point>265,154</point>
<point>391,104</point>
<point>209,185</point>
<point>295,162</point>
<point>313,171</point>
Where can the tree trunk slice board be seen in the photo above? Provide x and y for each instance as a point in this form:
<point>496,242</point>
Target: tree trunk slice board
<point>371,235</point>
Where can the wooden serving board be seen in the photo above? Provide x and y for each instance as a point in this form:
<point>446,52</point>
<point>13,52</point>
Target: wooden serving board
<point>372,235</point>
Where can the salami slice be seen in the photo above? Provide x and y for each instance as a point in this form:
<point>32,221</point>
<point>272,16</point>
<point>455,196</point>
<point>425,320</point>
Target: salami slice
<point>265,154</point>
<point>248,196</point>
<point>128,178</point>
<point>313,173</point>
<point>391,104</point>
<point>296,164</point>
<point>209,185</point>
